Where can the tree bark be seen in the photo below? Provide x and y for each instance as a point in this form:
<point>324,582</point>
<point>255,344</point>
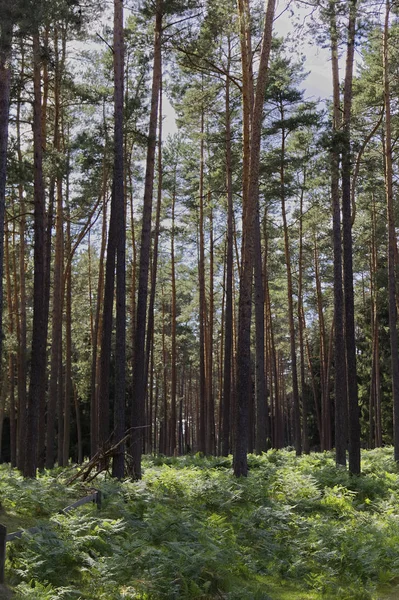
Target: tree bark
<point>300,309</point>
<point>151,304</point>
<point>249,214</point>
<point>290,294</point>
<point>22,341</point>
<point>393,334</point>
<point>228,326</point>
<point>173,317</point>
<point>210,341</point>
<point>38,360</point>
<point>118,463</point>
<point>353,403</point>
<point>138,404</point>
<point>5,78</point>
<point>340,388</point>
<point>55,388</point>
<point>202,300</point>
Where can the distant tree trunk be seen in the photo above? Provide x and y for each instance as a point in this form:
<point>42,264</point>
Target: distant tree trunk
<point>391,237</point>
<point>312,377</point>
<point>173,318</point>
<point>228,326</point>
<point>106,332</point>
<point>22,341</point>
<point>163,435</point>
<point>118,464</point>
<point>290,294</point>
<point>11,306</point>
<point>260,379</point>
<point>49,218</point>
<point>210,345</point>
<point>97,333</point>
<point>138,405</point>
<point>278,440</point>
<point>151,304</point>
<point>324,384</point>
<point>68,344</point>
<point>353,403</point>
<point>5,77</point>
<point>304,395</point>
<point>13,399</point>
<point>78,425</point>
<point>375,392</point>
<point>38,356</point>
<point>133,274</point>
<point>202,300</point>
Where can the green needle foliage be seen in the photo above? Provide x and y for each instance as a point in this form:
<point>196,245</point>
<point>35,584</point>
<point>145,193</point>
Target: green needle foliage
<point>296,528</point>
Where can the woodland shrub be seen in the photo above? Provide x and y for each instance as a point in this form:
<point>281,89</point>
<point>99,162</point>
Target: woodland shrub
<point>296,527</point>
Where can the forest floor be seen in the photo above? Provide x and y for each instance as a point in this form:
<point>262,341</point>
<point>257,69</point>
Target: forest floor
<point>297,528</point>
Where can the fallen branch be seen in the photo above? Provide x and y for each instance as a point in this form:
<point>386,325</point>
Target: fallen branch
<point>99,460</point>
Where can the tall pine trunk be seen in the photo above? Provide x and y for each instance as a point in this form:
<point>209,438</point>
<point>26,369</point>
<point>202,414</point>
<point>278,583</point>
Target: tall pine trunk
<point>118,465</point>
<point>5,78</point>
<point>393,334</point>
<point>39,328</point>
<point>350,341</point>
<point>228,325</point>
<point>290,295</point>
<point>340,388</point>
<point>249,215</point>
<point>138,402</point>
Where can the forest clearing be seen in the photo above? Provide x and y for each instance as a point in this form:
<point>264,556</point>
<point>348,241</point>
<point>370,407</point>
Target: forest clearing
<point>297,528</point>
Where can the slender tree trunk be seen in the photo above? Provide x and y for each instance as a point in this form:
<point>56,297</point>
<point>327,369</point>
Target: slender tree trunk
<point>5,77</point>
<point>13,399</point>
<point>304,395</point>
<point>139,352</point>
<point>68,346</point>
<point>202,301</point>
<point>163,443</point>
<point>11,306</point>
<point>78,425</point>
<point>260,379</point>
<point>325,399</point>
<point>340,389</point>
<point>391,237</point>
<point>118,464</point>
<point>151,304</point>
<point>173,316</point>
<point>290,294</point>
<point>228,326</point>
<point>376,378</point>
<point>55,389</point>
<point>210,345</point>
<point>106,333</point>
<point>312,377</point>
<point>38,360</point>
<point>97,337</point>
<point>22,341</point>
<point>353,403</point>
<point>3,392</point>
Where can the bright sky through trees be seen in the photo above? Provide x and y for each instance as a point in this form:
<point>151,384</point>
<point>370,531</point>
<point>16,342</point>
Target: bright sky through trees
<point>318,81</point>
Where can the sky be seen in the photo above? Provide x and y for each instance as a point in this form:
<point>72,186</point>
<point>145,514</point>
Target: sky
<point>318,83</point>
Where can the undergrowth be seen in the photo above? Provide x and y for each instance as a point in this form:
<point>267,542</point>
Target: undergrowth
<point>296,528</point>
